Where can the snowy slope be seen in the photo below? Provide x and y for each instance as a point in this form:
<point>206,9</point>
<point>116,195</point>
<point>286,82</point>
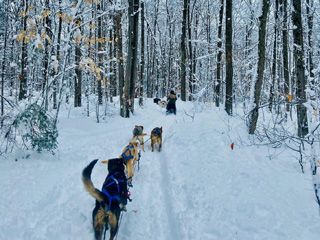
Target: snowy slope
<point>196,188</point>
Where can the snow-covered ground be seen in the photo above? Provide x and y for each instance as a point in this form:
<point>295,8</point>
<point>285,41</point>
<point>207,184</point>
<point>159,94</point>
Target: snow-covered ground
<point>196,188</point>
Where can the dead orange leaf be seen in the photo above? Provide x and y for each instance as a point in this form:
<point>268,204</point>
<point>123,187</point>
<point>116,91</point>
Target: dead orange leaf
<point>232,144</point>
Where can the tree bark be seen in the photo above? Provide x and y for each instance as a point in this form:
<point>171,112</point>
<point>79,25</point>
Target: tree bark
<point>4,61</point>
<point>23,74</point>
<point>120,61</point>
<point>142,60</point>
<point>183,51</point>
<point>219,56</point>
<point>78,75</point>
<point>298,52</point>
<point>274,63</point>
<point>254,115</point>
<point>100,54</point>
<point>229,66</point>
<point>283,9</point>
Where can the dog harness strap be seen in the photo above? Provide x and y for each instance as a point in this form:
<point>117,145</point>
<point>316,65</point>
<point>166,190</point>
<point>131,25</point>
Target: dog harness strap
<point>116,181</point>
<point>136,132</point>
<point>125,152</point>
<point>157,131</point>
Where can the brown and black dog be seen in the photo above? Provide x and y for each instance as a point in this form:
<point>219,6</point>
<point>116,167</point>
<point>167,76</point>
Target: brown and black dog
<point>111,200</point>
<point>156,137</point>
<point>138,135</point>
<point>130,156</point>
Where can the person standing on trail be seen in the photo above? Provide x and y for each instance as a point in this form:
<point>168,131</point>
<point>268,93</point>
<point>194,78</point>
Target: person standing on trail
<point>171,106</point>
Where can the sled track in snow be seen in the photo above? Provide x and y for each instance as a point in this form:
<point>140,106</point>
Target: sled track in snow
<point>166,123</point>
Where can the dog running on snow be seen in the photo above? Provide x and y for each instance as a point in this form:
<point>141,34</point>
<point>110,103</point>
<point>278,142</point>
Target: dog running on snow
<point>130,156</point>
<point>111,200</point>
<point>156,137</point>
<point>138,135</point>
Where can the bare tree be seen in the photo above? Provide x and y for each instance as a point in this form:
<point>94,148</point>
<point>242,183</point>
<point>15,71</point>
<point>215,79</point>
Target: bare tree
<point>229,56</point>
<point>298,52</point>
<point>254,115</point>
<point>183,51</point>
<point>23,74</point>
<point>219,56</point>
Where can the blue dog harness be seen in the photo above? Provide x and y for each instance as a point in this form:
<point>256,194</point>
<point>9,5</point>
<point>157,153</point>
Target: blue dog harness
<point>156,131</point>
<point>116,197</point>
<point>125,157</point>
<point>135,131</point>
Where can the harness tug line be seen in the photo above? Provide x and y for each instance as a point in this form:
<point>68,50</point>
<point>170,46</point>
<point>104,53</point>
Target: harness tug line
<point>128,196</point>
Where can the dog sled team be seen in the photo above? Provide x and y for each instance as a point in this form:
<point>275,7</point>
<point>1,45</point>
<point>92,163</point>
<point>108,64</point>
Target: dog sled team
<point>112,199</point>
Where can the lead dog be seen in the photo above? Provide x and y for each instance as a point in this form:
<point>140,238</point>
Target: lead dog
<point>138,135</point>
<point>110,200</point>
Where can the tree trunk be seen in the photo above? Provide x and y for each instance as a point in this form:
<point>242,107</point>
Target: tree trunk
<point>131,67</point>
<point>58,56</point>
<point>120,61</point>
<point>4,61</point>
<point>142,60</point>
<point>229,67</point>
<point>274,63</point>
<point>183,51</point>
<point>191,80</point>
<point>283,7</point>
<point>298,53</point>
<point>23,74</point>
<point>310,31</point>
<point>78,76</point>
<point>261,62</point>
<point>100,54</point>
<point>219,56</point>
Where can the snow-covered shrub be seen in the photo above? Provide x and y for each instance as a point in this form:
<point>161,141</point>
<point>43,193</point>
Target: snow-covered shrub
<point>31,129</point>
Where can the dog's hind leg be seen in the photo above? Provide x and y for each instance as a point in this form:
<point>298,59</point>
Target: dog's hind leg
<point>114,223</point>
<point>98,224</point>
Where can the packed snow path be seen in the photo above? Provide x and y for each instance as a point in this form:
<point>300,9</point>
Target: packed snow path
<point>196,188</point>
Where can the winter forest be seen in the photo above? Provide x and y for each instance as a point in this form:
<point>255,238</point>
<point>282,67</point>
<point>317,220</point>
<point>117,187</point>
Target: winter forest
<point>258,60</point>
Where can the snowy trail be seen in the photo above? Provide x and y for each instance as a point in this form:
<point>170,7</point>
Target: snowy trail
<point>154,184</point>
<point>196,188</point>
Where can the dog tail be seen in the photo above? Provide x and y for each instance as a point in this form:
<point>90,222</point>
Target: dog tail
<point>88,185</point>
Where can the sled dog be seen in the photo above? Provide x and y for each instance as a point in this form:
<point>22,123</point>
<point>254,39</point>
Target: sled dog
<point>138,135</point>
<point>111,200</point>
<point>130,156</point>
<point>156,137</point>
